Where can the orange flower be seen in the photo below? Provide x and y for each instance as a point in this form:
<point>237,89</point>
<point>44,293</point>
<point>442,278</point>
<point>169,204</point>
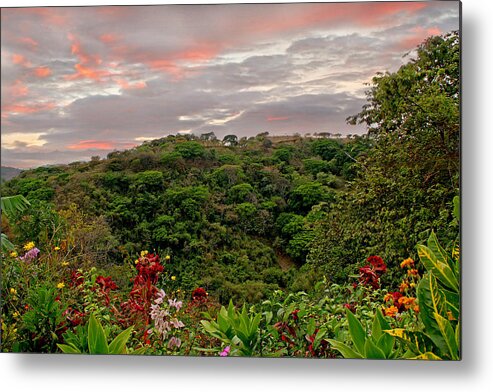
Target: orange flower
<point>388,297</point>
<point>416,308</point>
<point>413,272</point>
<point>406,301</point>
<point>403,287</point>
<point>390,311</point>
<point>407,262</point>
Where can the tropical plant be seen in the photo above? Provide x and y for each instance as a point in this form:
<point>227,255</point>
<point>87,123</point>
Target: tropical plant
<point>97,341</point>
<point>11,205</point>
<point>239,330</point>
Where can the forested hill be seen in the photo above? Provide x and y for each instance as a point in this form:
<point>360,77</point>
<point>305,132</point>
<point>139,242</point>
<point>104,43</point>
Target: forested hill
<point>231,213</point>
<point>228,211</point>
<point>7,173</point>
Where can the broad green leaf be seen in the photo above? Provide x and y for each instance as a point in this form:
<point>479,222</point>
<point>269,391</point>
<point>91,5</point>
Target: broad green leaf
<point>441,270</point>
<point>345,350</point>
<point>417,342</point>
<point>68,349</point>
<point>139,351</point>
<point>268,317</point>
<point>431,303</point>
<point>453,302</point>
<point>96,339</point>
<point>376,329</point>
<point>118,345</point>
<point>372,351</point>
<point>10,205</point>
<point>428,355</point>
<point>386,344</point>
<point>448,335</point>
<point>457,334</point>
<point>438,251</point>
<point>6,244</point>
<point>358,334</point>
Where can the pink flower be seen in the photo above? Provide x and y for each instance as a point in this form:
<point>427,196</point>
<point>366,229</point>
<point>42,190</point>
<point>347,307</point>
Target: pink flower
<point>225,352</point>
<point>175,304</point>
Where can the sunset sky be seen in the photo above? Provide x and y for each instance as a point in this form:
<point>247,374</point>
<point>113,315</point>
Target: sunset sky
<point>79,82</point>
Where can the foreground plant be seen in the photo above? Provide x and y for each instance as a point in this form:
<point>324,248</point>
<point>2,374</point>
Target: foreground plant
<point>238,330</point>
<point>97,341</point>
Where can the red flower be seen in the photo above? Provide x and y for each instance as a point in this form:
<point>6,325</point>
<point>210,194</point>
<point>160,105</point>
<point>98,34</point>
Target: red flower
<point>76,279</point>
<point>199,293</point>
<point>378,264</point>
<point>294,313</point>
<point>106,284</point>
<point>370,274</point>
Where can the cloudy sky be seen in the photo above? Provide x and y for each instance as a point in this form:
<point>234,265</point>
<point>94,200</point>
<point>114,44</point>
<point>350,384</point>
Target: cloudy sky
<point>84,81</point>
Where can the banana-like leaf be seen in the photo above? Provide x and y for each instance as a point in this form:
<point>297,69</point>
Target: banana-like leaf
<point>428,355</point>
<point>6,244</point>
<point>10,205</point>
<point>358,334</point>
<point>96,338</point>
<point>118,345</point>
<point>441,270</point>
<point>416,342</point>
<point>439,252</point>
<point>372,351</point>
<point>346,351</point>
<point>448,334</point>
<point>432,303</point>
<point>68,349</point>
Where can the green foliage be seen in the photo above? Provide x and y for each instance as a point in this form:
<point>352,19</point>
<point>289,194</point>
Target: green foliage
<point>377,345</point>
<point>239,330</point>
<point>96,341</point>
<point>41,327</point>
<point>190,150</point>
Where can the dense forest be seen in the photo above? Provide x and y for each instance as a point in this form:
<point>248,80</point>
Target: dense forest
<point>321,238</point>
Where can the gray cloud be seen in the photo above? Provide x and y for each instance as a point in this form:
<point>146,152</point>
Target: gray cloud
<point>77,78</point>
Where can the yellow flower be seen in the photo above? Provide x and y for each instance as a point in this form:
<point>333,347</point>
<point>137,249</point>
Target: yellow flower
<point>29,246</point>
<point>15,314</point>
<point>390,311</point>
<point>167,258</point>
<point>412,285</point>
<point>388,297</point>
<point>407,262</point>
<point>173,277</point>
<point>143,253</point>
<point>65,263</point>
<point>57,248</point>
<point>178,291</point>
<point>13,254</point>
<point>13,291</point>
<point>137,261</point>
<point>413,272</point>
<point>60,285</point>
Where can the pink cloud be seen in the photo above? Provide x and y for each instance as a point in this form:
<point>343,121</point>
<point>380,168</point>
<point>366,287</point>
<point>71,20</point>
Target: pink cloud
<point>99,145</point>
<point>417,35</point>
<point>42,72</point>
<point>28,41</point>
<point>27,108</point>
<point>271,118</point>
<point>19,59</point>
<point>88,65</point>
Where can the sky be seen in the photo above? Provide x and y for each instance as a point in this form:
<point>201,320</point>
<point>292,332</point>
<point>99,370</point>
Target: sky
<point>79,82</point>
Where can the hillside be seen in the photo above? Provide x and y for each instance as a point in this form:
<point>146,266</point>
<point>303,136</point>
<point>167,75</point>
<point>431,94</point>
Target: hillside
<point>7,173</point>
<point>234,215</point>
